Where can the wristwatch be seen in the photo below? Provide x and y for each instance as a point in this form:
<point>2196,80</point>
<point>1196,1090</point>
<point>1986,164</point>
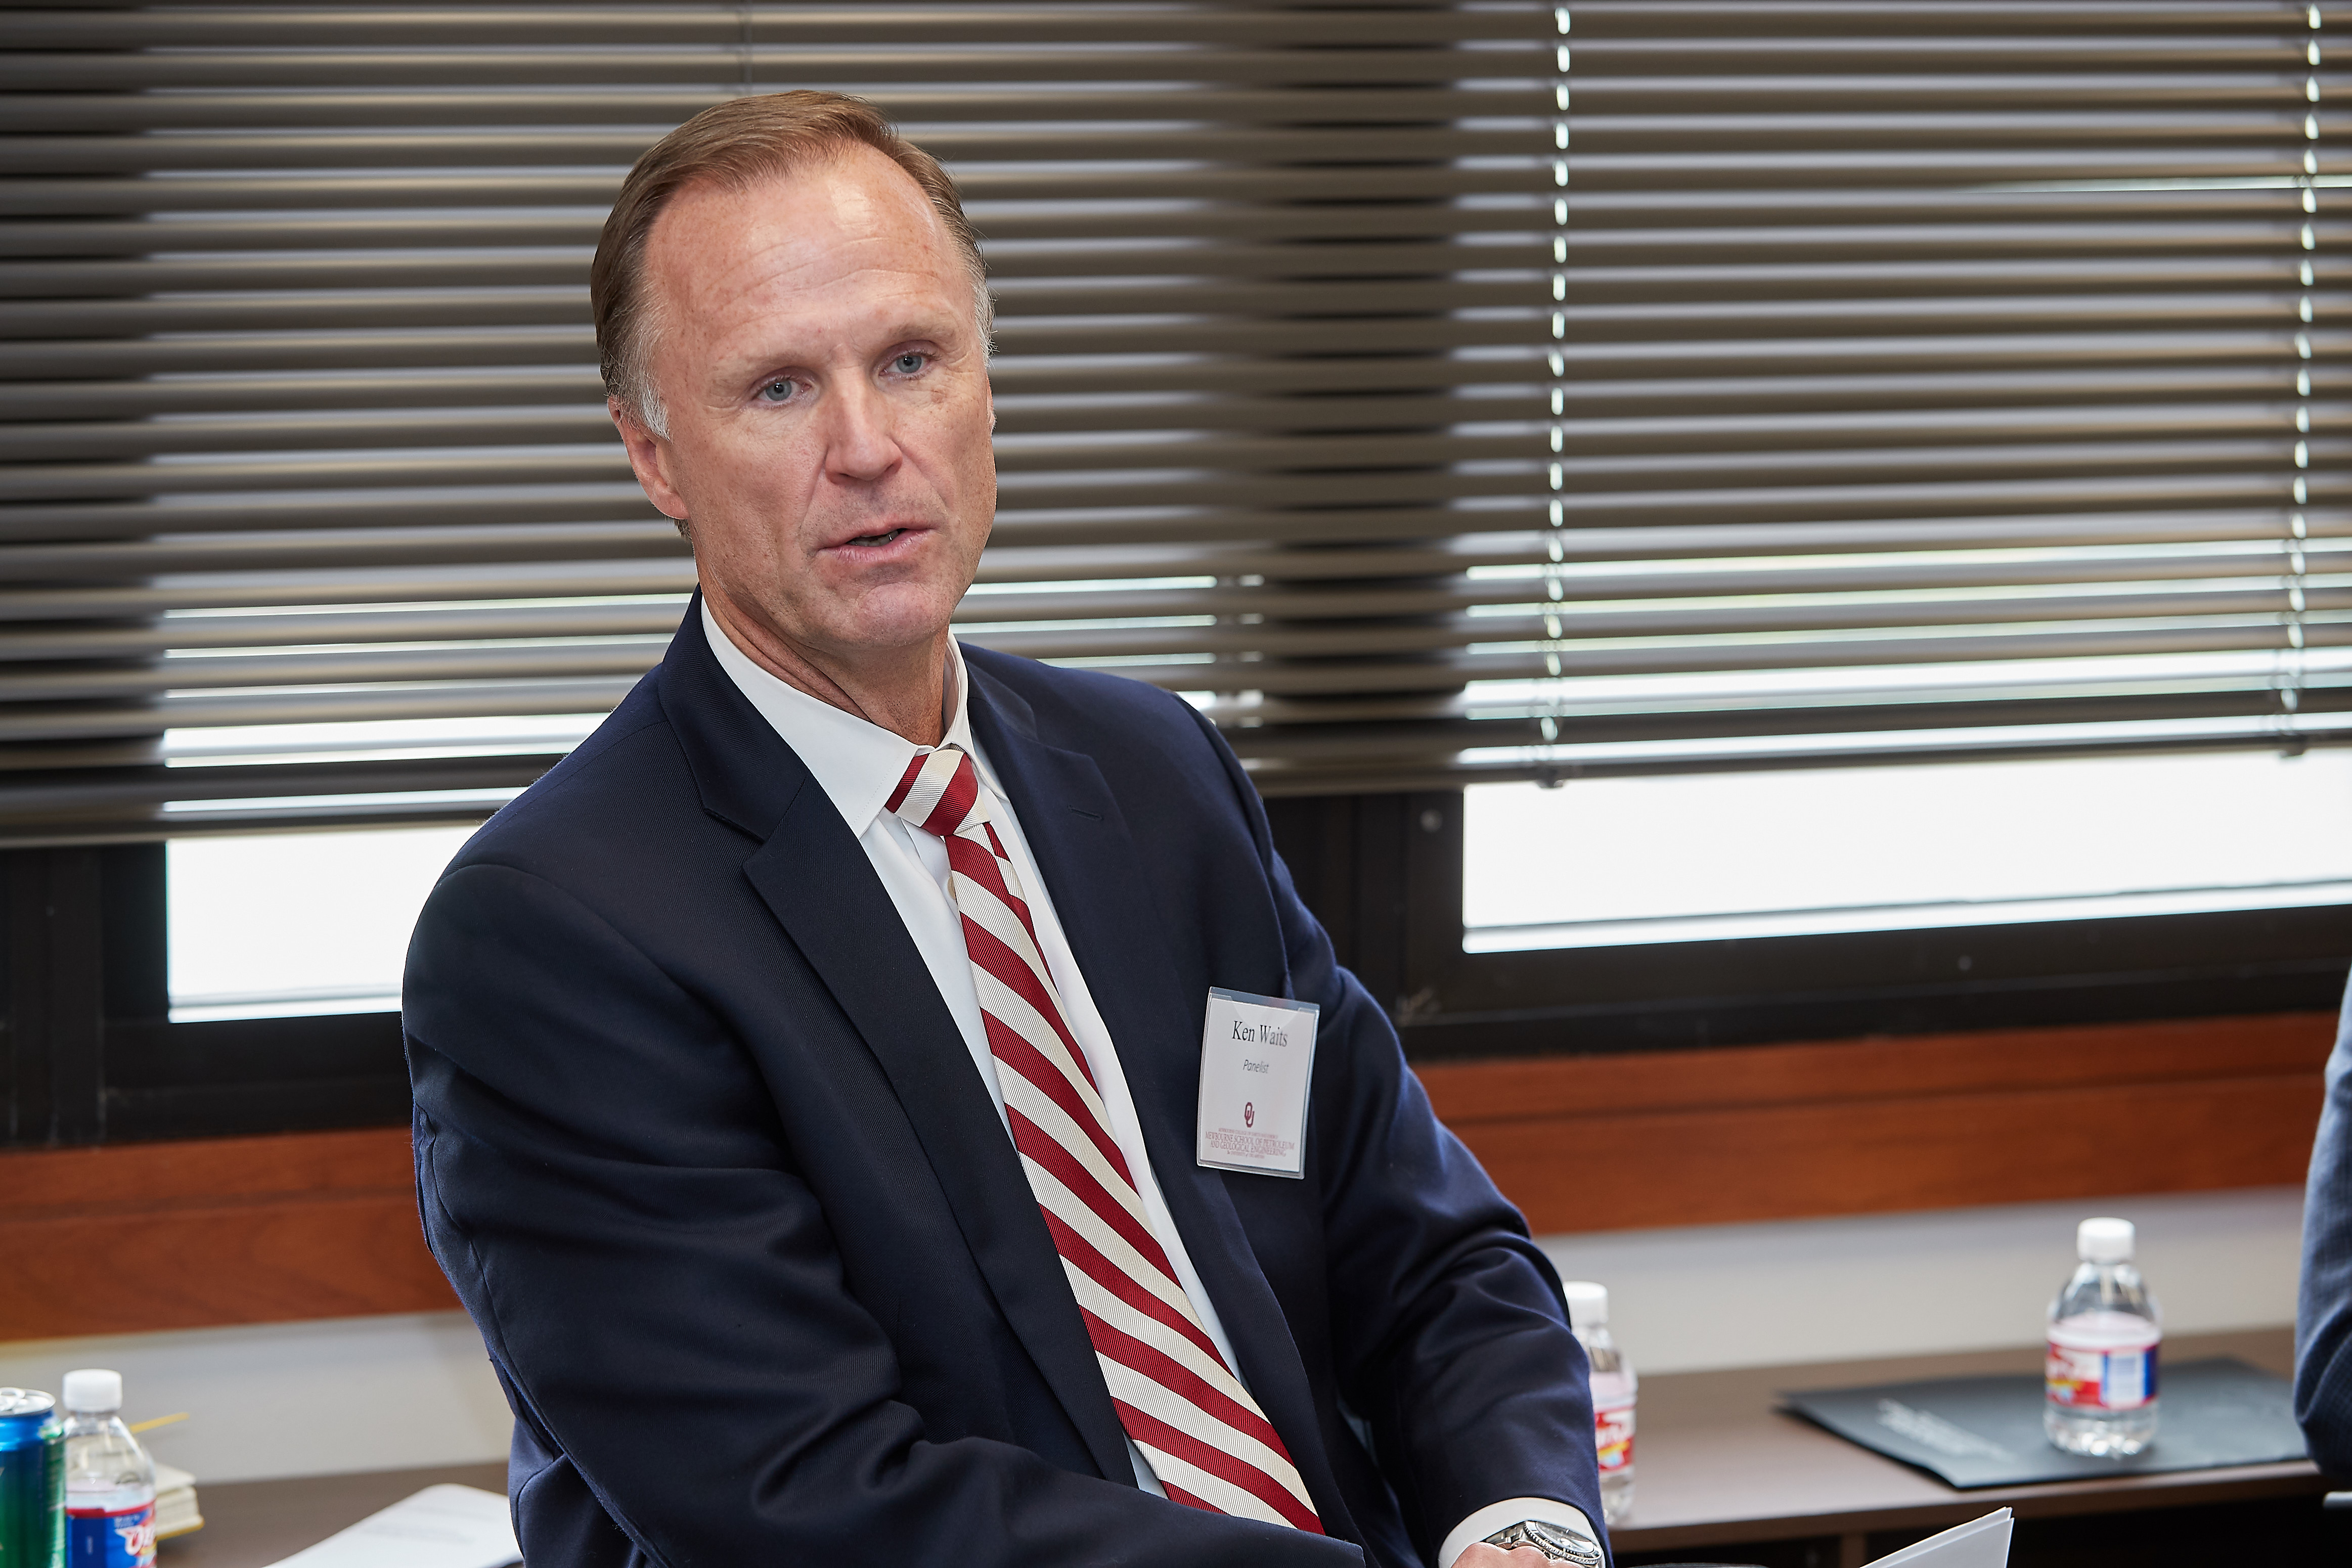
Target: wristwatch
<point>1557,1545</point>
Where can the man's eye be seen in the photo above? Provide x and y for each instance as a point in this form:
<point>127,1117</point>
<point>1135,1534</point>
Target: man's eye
<point>907,364</point>
<point>778,391</point>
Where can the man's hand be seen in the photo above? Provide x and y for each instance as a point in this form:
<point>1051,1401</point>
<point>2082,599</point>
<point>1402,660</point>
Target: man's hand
<point>1481,1555</point>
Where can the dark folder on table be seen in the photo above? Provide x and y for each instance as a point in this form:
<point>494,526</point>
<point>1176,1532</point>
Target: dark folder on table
<point>1987,1431</point>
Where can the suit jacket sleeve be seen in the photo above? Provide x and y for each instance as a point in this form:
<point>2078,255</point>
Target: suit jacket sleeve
<point>2322,1369</point>
<point>1449,1336</point>
<point>660,1290</point>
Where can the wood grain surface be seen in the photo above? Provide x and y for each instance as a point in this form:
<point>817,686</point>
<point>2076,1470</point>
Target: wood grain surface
<point>250,1524</point>
<point>1693,1138</point>
<point>137,1237</point>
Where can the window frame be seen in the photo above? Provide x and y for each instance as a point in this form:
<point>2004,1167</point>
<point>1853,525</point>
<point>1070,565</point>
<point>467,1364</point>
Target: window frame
<point>1385,876</point>
<point>88,1054</point>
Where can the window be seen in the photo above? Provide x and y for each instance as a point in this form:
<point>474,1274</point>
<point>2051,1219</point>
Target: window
<point>1443,396</point>
<point>292,924</point>
<point>310,516</point>
<point>1700,856</point>
<point>1938,386</point>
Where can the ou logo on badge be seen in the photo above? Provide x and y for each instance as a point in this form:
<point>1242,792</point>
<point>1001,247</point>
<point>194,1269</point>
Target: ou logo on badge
<point>1249,1113</point>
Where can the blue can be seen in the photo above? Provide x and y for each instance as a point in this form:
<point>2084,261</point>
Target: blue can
<point>32,1480</point>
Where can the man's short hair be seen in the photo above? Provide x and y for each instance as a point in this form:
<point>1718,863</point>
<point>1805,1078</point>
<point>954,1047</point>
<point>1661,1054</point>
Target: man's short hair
<point>734,145</point>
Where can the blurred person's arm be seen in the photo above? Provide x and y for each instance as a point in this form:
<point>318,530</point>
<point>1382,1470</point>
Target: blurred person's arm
<point>2323,1328</point>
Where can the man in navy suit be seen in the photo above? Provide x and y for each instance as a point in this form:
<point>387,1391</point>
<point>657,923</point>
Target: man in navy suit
<point>709,1134</point>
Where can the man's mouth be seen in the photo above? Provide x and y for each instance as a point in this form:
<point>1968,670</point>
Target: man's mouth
<point>870,540</point>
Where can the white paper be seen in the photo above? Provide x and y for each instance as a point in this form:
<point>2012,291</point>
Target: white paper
<point>440,1527</point>
<point>1258,1062</point>
<point>1979,1544</point>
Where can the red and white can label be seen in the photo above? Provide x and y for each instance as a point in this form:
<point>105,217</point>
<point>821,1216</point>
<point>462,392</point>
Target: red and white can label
<point>2100,1380</point>
<point>117,1538</point>
<point>1612,1438</point>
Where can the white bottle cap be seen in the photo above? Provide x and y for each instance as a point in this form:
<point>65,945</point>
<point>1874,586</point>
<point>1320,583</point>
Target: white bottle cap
<point>2105,1240</point>
<point>1588,1304</point>
<point>93,1389</point>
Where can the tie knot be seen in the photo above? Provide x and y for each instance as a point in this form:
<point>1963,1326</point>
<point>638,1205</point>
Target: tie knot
<point>941,793</point>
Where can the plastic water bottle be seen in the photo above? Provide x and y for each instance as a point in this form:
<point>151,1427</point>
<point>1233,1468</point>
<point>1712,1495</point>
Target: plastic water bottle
<point>1613,1390</point>
<point>109,1479</point>
<point>2099,1380</point>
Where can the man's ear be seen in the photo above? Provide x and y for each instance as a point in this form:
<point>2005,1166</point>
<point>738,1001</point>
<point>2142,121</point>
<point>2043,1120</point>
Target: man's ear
<point>649,459</point>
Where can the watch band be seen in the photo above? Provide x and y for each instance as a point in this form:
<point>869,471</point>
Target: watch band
<point>1557,1545</point>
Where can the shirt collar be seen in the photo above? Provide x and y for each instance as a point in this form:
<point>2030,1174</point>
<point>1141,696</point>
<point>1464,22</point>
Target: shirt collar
<point>854,762</point>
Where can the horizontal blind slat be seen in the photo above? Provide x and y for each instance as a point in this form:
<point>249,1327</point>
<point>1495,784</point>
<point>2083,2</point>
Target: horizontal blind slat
<point>844,68</point>
<point>634,104</point>
<point>453,28</point>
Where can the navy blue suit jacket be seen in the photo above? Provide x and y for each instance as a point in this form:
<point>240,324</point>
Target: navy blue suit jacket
<point>703,1152</point>
<point>2323,1318</point>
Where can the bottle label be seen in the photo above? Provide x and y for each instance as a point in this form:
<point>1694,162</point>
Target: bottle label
<point>2100,1380</point>
<point>1612,1438</point>
<point>124,1538</point>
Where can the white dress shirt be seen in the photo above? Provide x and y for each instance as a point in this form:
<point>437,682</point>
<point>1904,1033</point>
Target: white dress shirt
<point>857,765</point>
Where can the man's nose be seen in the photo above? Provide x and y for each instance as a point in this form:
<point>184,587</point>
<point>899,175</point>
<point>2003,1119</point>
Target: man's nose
<point>861,442</point>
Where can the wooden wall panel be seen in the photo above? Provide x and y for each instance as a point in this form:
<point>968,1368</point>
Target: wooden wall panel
<point>137,1237</point>
<point>142,1237</point>
<point>1699,1137</point>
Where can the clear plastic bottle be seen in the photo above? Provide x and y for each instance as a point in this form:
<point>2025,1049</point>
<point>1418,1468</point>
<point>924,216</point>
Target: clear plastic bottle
<point>2099,1379</point>
<point>1614,1388</point>
<point>109,1479</point>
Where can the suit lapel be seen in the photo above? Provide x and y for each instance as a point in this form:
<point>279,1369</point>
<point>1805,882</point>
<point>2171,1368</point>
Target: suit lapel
<point>1094,876</point>
<point>815,878</point>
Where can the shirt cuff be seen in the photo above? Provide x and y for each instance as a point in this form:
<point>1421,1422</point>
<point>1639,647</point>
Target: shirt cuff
<point>1495,1516</point>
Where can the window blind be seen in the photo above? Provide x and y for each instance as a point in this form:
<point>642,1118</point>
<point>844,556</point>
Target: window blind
<point>1431,391</point>
<point>1937,380</point>
<point>310,512</point>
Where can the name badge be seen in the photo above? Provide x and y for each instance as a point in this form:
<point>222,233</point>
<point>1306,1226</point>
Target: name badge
<point>1258,1055</point>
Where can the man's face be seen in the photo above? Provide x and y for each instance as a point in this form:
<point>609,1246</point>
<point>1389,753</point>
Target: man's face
<point>828,408</point>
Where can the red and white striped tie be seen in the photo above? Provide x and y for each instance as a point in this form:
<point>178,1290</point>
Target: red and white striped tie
<point>1204,1437</point>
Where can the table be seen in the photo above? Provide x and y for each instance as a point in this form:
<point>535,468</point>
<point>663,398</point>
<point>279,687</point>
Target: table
<point>1719,1467</point>
<point>248,1524</point>
<point>1723,1475</point>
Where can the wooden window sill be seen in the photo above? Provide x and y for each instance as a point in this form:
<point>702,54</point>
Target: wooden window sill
<point>133,1237</point>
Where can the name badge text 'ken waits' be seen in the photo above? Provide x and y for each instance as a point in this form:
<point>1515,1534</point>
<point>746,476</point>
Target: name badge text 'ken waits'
<point>1258,1056</point>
